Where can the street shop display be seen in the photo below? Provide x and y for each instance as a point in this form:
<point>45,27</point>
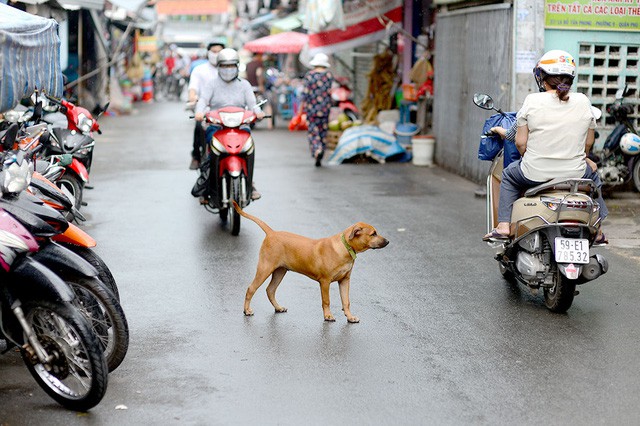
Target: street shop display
<point>298,122</point>
<point>29,56</point>
<point>381,80</point>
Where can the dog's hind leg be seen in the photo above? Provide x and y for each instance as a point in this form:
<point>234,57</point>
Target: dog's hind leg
<point>261,276</point>
<point>276,279</point>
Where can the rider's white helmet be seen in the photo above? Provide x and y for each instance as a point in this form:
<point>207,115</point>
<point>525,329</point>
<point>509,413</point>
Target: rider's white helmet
<point>554,62</point>
<point>630,144</point>
<point>228,56</point>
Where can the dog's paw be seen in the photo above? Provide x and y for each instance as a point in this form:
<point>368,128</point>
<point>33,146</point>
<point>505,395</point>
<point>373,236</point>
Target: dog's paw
<point>281,309</point>
<point>248,312</point>
<point>353,319</point>
<point>329,318</point>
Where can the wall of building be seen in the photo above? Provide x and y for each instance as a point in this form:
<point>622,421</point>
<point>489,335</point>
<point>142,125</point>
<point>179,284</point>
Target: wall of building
<point>473,54</point>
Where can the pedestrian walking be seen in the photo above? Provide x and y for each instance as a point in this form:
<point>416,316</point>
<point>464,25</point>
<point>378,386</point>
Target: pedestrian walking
<point>316,102</point>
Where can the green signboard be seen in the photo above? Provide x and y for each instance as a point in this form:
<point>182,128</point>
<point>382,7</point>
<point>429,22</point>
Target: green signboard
<point>603,15</point>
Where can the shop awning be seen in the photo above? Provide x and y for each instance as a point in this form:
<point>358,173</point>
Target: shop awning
<point>192,7</point>
<point>288,42</point>
<point>362,26</point>
<point>29,56</point>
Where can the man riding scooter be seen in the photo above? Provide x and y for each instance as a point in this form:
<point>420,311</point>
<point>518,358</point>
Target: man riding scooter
<point>225,90</point>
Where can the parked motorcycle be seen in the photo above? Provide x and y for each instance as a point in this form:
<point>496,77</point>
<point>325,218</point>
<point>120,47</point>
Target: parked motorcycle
<point>37,316</point>
<point>554,226</point>
<point>342,97</point>
<point>230,173</point>
<point>93,298</point>
<point>618,162</point>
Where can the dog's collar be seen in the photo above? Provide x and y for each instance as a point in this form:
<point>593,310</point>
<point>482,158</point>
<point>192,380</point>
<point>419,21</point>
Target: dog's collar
<point>350,249</point>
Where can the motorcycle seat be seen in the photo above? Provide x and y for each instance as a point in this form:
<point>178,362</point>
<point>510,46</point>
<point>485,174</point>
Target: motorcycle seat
<point>586,186</point>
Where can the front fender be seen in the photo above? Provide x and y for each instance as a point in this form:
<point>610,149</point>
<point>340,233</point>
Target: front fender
<point>63,261</point>
<point>79,169</point>
<point>31,280</point>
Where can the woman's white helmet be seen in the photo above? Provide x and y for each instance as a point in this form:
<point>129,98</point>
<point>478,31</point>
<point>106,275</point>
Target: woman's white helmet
<point>554,62</point>
<point>630,144</point>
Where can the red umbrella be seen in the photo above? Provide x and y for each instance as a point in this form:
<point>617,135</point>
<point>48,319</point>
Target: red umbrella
<point>287,42</point>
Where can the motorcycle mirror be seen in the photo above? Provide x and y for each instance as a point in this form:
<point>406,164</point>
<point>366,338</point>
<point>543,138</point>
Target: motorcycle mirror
<point>262,102</point>
<point>37,112</point>
<point>482,100</point>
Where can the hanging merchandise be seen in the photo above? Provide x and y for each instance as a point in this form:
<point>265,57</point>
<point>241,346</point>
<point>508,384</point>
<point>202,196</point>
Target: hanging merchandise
<point>381,80</point>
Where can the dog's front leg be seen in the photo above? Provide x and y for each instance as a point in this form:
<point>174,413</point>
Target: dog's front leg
<point>344,296</point>
<point>324,291</point>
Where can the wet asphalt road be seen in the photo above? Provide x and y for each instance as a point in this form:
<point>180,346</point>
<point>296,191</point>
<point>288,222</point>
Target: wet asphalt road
<point>442,338</point>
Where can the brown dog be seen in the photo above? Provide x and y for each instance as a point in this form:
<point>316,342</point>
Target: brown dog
<point>325,260</point>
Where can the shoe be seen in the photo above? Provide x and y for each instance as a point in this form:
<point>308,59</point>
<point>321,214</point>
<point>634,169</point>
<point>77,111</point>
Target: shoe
<point>255,195</point>
<point>601,240</point>
<point>495,235</point>
<point>319,155</point>
<point>195,164</point>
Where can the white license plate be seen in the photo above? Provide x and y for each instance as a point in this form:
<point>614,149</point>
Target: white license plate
<point>571,250</point>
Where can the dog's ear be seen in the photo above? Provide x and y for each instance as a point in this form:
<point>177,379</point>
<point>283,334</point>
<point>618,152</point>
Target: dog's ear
<point>355,231</point>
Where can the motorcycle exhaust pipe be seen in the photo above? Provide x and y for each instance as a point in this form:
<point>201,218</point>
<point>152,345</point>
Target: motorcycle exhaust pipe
<point>598,265</point>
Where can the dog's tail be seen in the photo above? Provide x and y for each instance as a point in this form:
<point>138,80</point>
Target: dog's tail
<point>260,223</point>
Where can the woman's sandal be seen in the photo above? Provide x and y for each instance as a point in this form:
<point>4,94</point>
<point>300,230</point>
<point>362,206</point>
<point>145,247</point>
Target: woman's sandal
<point>495,235</point>
<point>601,240</point>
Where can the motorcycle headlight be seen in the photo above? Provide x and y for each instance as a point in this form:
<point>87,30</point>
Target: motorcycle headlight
<point>231,119</point>
<point>84,123</point>
<point>551,202</point>
<point>217,146</point>
<point>16,177</point>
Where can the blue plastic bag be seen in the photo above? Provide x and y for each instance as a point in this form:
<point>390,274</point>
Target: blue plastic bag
<point>490,146</point>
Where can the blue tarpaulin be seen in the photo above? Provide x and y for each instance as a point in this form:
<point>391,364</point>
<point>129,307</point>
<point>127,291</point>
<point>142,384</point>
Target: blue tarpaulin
<point>29,56</point>
<point>368,140</point>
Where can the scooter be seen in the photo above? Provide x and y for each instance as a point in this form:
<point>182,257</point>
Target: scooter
<point>618,163</point>
<point>553,228</point>
<point>342,97</point>
<point>38,317</point>
<point>230,173</point>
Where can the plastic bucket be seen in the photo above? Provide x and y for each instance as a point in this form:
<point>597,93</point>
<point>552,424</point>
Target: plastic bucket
<point>404,132</point>
<point>423,149</point>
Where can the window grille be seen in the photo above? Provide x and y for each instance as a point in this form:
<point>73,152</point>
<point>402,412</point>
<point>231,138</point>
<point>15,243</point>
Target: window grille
<point>603,69</point>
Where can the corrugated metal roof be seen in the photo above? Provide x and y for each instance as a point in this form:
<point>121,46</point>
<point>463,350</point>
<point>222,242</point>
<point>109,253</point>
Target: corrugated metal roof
<point>192,7</point>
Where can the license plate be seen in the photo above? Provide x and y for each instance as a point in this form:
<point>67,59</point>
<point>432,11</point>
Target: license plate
<point>570,250</point>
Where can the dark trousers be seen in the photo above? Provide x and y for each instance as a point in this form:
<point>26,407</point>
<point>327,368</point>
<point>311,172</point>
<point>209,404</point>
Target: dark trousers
<point>198,141</point>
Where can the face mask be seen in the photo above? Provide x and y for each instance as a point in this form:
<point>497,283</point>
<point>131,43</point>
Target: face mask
<point>228,74</point>
<point>212,57</point>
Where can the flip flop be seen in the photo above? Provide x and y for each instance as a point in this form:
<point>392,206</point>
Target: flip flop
<point>495,235</point>
<point>601,240</point>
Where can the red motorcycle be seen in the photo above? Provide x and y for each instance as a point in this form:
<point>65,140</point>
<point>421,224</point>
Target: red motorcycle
<point>342,97</point>
<point>230,166</point>
<point>73,135</point>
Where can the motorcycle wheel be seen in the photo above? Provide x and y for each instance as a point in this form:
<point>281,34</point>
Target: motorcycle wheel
<point>105,316</point>
<point>74,185</point>
<point>104,274</point>
<point>351,114</point>
<point>77,376</point>
<point>234,216</point>
<point>506,273</point>
<point>636,175</point>
<point>560,297</point>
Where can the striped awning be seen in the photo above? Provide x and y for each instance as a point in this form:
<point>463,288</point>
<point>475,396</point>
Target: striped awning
<point>29,56</point>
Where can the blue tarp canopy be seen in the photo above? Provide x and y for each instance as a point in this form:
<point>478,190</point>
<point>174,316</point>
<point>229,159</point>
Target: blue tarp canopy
<point>29,56</point>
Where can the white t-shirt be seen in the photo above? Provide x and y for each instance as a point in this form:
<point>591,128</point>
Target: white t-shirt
<point>201,75</point>
<point>557,135</point>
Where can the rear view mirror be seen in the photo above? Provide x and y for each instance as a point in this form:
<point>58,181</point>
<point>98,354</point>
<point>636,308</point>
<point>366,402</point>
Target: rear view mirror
<point>482,100</point>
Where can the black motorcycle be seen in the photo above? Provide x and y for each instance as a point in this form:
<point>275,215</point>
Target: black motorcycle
<point>617,164</point>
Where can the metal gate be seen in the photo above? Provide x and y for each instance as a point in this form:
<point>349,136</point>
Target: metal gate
<point>473,54</point>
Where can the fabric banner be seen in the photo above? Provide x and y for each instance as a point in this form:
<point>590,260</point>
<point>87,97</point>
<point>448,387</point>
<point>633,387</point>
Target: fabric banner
<point>364,22</point>
<point>29,56</point>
